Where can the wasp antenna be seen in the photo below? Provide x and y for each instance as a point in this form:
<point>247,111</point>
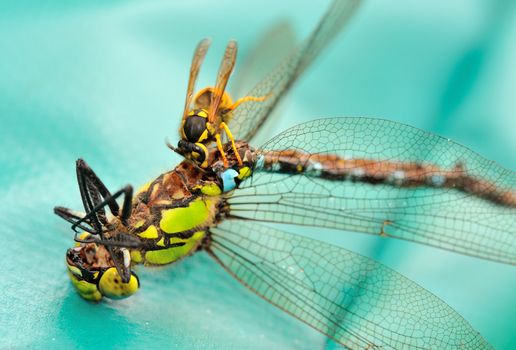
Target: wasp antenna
<point>176,150</point>
<point>172,147</point>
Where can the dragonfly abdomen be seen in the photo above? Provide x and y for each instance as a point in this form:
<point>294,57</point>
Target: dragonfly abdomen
<point>375,172</point>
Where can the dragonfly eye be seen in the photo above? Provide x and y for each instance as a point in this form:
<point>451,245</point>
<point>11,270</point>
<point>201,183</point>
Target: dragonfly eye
<point>111,285</point>
<point>92,274</point>
<point>195,128</point>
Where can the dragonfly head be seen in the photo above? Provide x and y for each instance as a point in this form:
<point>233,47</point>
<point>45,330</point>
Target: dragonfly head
<point>95,274</point>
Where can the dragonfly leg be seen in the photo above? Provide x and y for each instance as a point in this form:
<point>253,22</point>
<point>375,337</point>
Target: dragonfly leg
<point>128,204</point>
<point>72,217</point>
<point>122,240</point>
<point>127,191</point>
<point>92,188</point>
<point>232,139</point>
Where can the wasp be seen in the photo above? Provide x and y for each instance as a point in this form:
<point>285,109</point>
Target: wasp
<point>207,114</point>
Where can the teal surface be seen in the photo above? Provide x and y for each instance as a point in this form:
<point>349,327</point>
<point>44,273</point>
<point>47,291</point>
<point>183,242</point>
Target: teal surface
<point>106,81</point>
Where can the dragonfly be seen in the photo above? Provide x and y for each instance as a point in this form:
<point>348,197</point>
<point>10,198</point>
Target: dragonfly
<point>345,174</point>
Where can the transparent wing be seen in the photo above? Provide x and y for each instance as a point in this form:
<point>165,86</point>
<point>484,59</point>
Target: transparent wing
<point>263,56</point>
<point>226,67</point>
<point>198,58</point>
<point>350,298</point>
<point>385,178</point>
<point>249,116</point>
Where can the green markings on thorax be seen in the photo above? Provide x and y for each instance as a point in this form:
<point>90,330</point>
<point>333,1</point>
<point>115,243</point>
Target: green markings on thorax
<point>186,218</point>
<point>167,256</point>
<point>167,223</point>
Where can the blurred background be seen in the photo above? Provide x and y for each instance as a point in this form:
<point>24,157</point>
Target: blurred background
<point>105,81</point>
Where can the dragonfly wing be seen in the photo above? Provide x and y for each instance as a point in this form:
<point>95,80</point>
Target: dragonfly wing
<point>381,177</point>
<point>263,56</point>
<point>350,298</point>
<point>249,116</point>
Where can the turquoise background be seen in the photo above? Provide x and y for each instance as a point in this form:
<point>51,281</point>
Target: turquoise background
<point>105,80</point>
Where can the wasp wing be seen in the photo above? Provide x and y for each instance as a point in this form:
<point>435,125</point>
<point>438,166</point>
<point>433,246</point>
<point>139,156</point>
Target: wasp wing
<point>348,297</point>
<point>197,60</point>
<point>226,67</point>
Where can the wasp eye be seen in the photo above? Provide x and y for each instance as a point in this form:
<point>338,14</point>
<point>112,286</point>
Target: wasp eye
<point>194,127</point>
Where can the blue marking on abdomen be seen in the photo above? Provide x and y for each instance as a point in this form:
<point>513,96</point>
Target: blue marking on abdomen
<point>228,180</point>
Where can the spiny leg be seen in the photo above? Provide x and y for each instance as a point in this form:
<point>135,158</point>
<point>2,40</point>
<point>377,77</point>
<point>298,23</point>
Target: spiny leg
<point>92,191</point>
<point>122,239</point>
<point>116,246</point>
<point>127,205</point>
<point>72,217</point>
<point>86,173</point>
<point>127,191</point>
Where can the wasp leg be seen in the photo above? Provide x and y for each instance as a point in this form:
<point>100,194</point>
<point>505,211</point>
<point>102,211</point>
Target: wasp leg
<point>93,191</point>
<point>221,150</point>
<point>232,139</point>
<point>244,100</point>
<point>127,191</point>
